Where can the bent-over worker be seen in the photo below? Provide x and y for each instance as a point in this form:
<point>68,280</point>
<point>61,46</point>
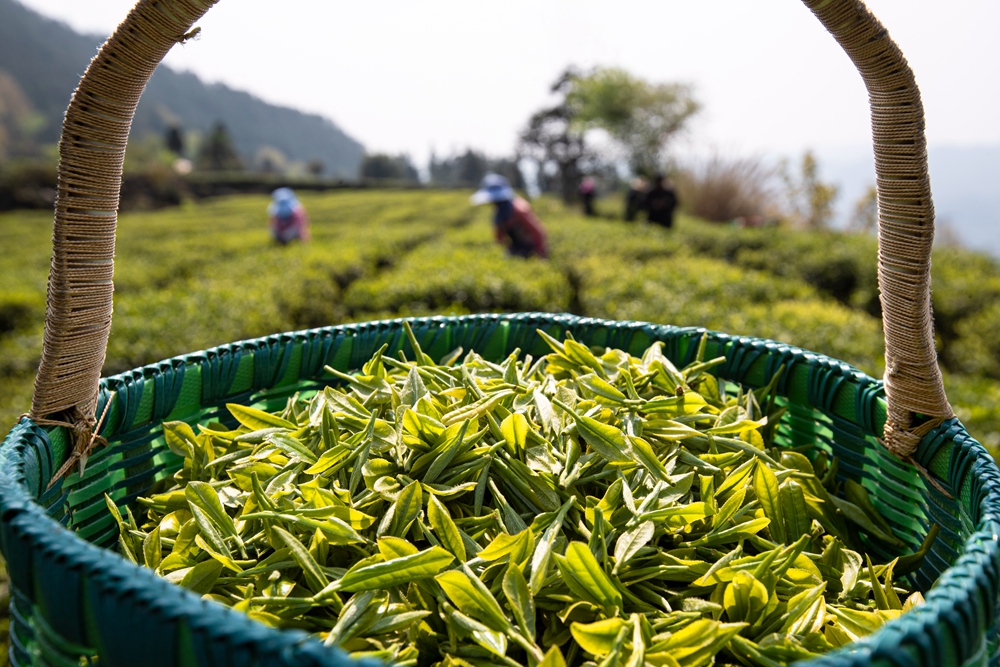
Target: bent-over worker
<point>515,225</point>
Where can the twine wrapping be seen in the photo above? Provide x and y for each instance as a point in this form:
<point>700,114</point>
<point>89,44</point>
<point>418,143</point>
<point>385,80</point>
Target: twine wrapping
<point>913,387</point>
<point>83,429</point>
<point>91,153</point>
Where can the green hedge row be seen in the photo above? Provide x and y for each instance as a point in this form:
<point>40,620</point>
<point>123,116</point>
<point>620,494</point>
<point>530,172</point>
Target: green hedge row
<point>200,275</point>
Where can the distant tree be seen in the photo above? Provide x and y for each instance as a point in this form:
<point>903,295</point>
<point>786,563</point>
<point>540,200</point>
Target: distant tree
<point>148,155</point>
<point>19,122</point>
<point>639,116</point>
<point>642,117</point>
<point>472,167</point>
<point>810,199</point>
<point>467,169</point>
<point>555,142</point>
<point>389,167</point>
<point>865,216</point>
<point>270,160</point>
<point>217,152</point>
<point>315,167</point>
<point>439,170</point>
<point>174,140</point>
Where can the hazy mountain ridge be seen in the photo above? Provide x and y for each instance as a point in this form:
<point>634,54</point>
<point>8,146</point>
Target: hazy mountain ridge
<point>47,59</point>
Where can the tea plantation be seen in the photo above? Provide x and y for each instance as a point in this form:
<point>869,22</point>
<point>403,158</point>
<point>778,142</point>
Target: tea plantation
<point>200,275</point>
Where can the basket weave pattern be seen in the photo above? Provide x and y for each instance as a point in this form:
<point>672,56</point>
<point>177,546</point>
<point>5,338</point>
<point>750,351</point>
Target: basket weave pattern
<point>73,598</point>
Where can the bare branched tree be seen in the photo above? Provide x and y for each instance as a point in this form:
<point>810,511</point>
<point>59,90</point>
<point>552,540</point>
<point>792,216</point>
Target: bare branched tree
<point>552,139</point>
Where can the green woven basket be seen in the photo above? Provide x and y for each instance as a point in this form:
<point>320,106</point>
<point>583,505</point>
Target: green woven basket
<point>74,601</point>
<point>73,596</point>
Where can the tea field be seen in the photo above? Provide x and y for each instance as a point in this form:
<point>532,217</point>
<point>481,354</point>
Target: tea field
<point>203,274</point>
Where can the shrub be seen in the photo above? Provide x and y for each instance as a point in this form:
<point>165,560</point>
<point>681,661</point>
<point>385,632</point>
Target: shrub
<point>20,309</point>
<point>720,189</point>
<point>964,284</point>
<point>977,347</point>
<point>709,293</point>
<point>572,242</point>
<point>442,275</point>
<point>15,397</point>
<point>380,166</point>
<point>976,401</point>
<point>27,183</point>
<point>835,264</point>
<point>155,324</point>
<point>810,199</point>
<point>822,326</point>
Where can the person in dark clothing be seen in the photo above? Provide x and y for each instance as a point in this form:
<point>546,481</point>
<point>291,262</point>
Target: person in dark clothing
<point>660,202</point>
<point>588,191</point>
<point>633,199</point>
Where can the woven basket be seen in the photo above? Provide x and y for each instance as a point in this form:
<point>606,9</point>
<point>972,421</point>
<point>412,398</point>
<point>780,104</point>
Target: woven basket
<point>75,601</point>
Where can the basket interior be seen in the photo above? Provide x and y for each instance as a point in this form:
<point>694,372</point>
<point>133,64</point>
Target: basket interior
<point>831,407</point>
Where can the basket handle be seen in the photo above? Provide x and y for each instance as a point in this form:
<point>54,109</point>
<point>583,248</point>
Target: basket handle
<point>913,386</point>
<point>92,149</point>
<point>91,153</point>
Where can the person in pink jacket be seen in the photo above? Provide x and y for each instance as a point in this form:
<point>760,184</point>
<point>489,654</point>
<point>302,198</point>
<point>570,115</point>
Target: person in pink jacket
<point>515,225</point>
<point>288,220</point>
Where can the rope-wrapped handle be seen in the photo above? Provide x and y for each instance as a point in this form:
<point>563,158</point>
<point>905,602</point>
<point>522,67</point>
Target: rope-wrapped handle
<point>92,149</point>
<point>91,153</point>
<point>913,387</point>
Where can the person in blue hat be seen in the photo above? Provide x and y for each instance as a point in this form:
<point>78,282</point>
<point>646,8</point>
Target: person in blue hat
<point>515,225</point>
<point>288,220</point>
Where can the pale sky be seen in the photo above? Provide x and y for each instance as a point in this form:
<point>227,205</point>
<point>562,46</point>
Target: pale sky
<point>446,74</point>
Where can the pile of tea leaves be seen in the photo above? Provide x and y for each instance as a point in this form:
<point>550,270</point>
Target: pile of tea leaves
<point>571,510</point>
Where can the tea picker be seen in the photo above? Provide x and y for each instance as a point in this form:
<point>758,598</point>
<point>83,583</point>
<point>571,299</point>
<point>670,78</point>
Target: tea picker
<point>515,224</point>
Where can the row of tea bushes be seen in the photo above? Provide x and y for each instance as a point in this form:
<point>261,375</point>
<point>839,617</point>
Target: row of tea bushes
<point>229,281</point>
<point>205,274</point>
<point>715,295</point>
<point>840,266</point>
<point>462,271</point>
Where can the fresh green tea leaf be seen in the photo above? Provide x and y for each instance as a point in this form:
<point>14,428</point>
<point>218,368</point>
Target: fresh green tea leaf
<point>630,542</point>
<point>445,528</point>
<point>394,572</point>
<point>522,603</point>
<point>473,598</point>
<point>585,577</point>
<point>765,485</point>
<point>255,419</point>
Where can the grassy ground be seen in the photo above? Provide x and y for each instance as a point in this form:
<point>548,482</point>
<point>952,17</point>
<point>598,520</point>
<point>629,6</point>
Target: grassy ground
<point>201,275</point>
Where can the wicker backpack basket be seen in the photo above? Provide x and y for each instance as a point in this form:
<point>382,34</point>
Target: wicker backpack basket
<point>76,601</point>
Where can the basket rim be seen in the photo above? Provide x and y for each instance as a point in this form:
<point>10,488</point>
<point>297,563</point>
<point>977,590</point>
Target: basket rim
<point>22,518</point>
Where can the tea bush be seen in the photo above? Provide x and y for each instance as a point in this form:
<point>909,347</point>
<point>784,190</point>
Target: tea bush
<point>203,274</point>
<point>713,294</point>
<point>977,350</point>
<point>448,275</point>
<point>19,309</point>
<point>976,400</point>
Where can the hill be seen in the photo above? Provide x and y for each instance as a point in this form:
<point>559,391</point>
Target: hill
<point>46,59</point>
